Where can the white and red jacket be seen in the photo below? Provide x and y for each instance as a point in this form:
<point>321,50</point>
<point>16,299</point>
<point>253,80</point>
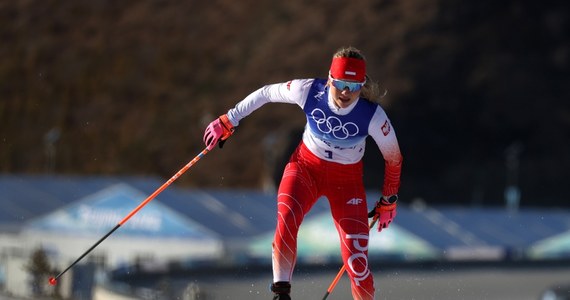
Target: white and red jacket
<point>332,133</point>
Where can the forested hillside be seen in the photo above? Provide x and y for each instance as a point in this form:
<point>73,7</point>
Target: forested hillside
<point>104,87</point>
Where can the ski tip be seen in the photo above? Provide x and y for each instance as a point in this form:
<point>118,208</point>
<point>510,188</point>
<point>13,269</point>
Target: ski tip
<point>52,281</point>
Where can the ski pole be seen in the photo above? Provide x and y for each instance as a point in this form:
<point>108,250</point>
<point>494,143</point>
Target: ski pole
<point>53,280</point>
<point>342,269</point>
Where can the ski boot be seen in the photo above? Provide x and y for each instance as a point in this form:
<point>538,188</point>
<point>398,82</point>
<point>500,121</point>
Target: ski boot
<point>282,289</point>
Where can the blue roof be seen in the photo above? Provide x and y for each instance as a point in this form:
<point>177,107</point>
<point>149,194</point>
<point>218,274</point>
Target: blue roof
<point>446,227</point>
<point>26,197</point>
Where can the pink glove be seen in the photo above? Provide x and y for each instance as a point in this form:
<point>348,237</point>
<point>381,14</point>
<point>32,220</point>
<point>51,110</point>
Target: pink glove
<point>384,211</point>
<point>219,130</point>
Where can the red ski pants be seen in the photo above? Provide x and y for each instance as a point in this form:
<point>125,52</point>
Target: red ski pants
<point>305,179</point>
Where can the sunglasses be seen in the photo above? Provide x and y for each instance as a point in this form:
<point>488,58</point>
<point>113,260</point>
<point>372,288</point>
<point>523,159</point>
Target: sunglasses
<point>351,86</point>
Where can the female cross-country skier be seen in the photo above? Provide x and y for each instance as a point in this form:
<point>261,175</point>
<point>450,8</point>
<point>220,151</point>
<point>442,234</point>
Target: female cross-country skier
<point>328,162</point>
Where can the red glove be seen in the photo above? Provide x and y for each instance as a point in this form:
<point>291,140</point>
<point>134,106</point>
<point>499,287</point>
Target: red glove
<point>219,130</point>
<point>384,211</point>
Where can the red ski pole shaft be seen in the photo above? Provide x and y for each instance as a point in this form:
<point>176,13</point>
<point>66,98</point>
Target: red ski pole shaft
<point>53,280</point>
<point>335,281</point>
<point>164,186</point>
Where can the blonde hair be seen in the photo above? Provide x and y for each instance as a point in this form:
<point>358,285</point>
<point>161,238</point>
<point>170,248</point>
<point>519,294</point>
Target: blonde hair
<point>371,89</point>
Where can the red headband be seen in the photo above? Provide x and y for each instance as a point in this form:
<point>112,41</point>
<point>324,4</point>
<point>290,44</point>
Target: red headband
<point>348,68</point>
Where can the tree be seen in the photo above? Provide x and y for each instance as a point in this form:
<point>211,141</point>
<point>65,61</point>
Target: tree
<point>40,270</point>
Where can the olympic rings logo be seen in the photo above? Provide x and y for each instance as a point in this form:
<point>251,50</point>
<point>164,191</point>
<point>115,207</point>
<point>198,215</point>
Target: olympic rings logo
<point>333,125</point>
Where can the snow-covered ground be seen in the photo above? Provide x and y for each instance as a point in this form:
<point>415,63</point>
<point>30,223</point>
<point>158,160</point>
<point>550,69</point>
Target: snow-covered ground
<point>466,284</point>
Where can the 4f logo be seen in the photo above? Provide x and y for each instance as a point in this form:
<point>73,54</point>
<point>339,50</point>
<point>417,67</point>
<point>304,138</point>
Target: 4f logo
<point>354,201</point>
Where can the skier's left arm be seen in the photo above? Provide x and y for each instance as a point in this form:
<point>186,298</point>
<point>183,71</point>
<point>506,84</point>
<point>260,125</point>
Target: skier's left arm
<point>384,135</point>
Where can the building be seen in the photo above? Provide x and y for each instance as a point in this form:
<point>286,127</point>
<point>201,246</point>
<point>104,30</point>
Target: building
<point>66,215</point>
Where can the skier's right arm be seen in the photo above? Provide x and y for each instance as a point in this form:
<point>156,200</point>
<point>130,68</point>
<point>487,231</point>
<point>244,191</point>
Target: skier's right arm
<point>294,92</point>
